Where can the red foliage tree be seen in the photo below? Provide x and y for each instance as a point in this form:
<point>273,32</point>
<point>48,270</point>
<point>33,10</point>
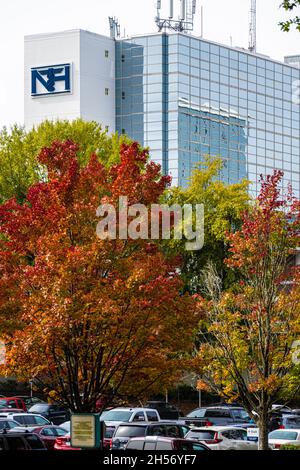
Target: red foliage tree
<point>89,318</point>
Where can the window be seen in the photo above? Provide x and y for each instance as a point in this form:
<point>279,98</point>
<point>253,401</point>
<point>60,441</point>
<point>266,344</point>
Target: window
<point>163,445</point>
<point>48,432</point>
<point>106,53</point>
<point>106,91</point>
<point>137,445</point>
<point>39,420</point>
<point>15,443</point>
<point>152,416</point>
<point>201,435</point>
<point>158,430</point>
<point>139,416</point>
<point>130,431</point>
<point>34,441</point>
<point>198,447</point>
<point>62,432</point>
<point>149,446</point>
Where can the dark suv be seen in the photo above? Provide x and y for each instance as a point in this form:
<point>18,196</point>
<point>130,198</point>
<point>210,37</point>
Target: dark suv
<point>17,441</point>
<point>56,414</point>
<point>218,416</point>
<point>126,431</point>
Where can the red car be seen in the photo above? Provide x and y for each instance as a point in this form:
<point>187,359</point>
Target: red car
<point>48,434</point>
<point>64,443</point>
<point>12,402</point>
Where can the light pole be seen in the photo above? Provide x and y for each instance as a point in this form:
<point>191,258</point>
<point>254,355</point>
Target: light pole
<point>31,383</point>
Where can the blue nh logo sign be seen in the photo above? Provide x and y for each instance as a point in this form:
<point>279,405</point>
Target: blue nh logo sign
<point>51,80</point>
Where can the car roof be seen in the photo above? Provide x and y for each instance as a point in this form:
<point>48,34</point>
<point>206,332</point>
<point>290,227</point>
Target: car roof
<point>287,429</point>
<point>131,409</point>
<point>217,428</point>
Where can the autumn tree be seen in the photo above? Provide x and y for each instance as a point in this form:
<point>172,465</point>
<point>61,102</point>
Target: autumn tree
<point>89,318</point>
<point>247,333</point>
<point>19,150</point>
<point>224,205</point>
<point>290,6</point>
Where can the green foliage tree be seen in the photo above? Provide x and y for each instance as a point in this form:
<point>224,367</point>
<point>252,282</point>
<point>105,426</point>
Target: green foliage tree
<point>19,150</point>
<point>290,5</point>
<point>224,205</point>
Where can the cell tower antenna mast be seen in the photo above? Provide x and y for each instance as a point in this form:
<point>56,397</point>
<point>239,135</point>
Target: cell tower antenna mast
<point>185,21</point>
<point>114,27</point>
<point>252,28</point>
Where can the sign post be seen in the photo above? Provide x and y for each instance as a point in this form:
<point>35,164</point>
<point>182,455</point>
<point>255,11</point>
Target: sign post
<point>86,430</point>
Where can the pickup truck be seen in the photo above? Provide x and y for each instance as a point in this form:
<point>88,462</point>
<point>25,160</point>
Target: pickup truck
<point>114,417</point>
<point>12,403</point>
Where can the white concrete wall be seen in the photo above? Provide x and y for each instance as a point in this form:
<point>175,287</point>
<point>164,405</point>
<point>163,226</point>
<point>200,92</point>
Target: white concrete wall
<point>97,73</point>
<point>91,73</point>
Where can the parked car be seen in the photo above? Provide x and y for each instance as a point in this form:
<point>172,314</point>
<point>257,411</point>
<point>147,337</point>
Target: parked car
<point>12,402</point>
<point>56,414</point>
<point>159,443</point>
<point>30,401</point>
<point>21,441</point>
<point>48,434</point>
<point>124,432</point>
<point>5,412</point>
<point>64,443</point>
<point>66,425</point>
<point>218,416</point>
<point>6,423</point>
<point>284,421</point>
<point>116,416</point>
<point>223,438</point>
<point>165,410</point>
<point>284,436</point>
<point>28,419</point>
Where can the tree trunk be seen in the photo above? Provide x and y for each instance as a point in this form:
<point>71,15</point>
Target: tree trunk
<point>263,429</point>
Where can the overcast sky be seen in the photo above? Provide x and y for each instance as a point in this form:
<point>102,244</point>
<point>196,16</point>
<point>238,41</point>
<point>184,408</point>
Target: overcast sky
<point>222,19</point>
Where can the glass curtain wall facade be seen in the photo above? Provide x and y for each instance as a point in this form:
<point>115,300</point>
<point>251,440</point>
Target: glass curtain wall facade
<point>187,98</point>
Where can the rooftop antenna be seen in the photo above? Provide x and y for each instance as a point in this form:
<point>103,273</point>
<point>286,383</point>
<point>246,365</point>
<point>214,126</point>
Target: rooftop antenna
<point>252,28</point>
<point>185,21</point>
<point>114,27</point>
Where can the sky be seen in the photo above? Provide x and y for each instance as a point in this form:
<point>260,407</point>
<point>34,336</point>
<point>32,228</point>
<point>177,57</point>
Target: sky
<point>224,21</point>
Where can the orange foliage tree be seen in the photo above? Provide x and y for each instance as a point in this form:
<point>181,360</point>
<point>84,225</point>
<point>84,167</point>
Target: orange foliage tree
<point>88,318</point>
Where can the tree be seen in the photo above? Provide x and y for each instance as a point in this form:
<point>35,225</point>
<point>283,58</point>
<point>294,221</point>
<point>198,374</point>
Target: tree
<point>224,205</point>
<point>19,151</point>
<point>290,5</point>
<point>89,318</point>
<point>247,334</point>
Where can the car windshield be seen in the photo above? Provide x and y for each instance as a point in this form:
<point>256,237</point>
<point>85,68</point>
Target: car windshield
<point>283,435</point>
<point>295,422</point>
<point>7,424</point>
<point>130,431</point>
<point>240,414</point>
<point>115,415</point>
<point>3,403</point>
<point>39,408</point>
<point>197,413</point>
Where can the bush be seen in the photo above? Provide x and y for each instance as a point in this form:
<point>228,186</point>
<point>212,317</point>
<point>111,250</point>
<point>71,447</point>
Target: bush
<point>290,447</point>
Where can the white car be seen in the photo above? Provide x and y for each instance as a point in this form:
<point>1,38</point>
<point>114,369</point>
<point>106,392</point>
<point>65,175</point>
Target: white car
<point>284,436</point>
<point>129,415</point>
<point>222,437</point>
